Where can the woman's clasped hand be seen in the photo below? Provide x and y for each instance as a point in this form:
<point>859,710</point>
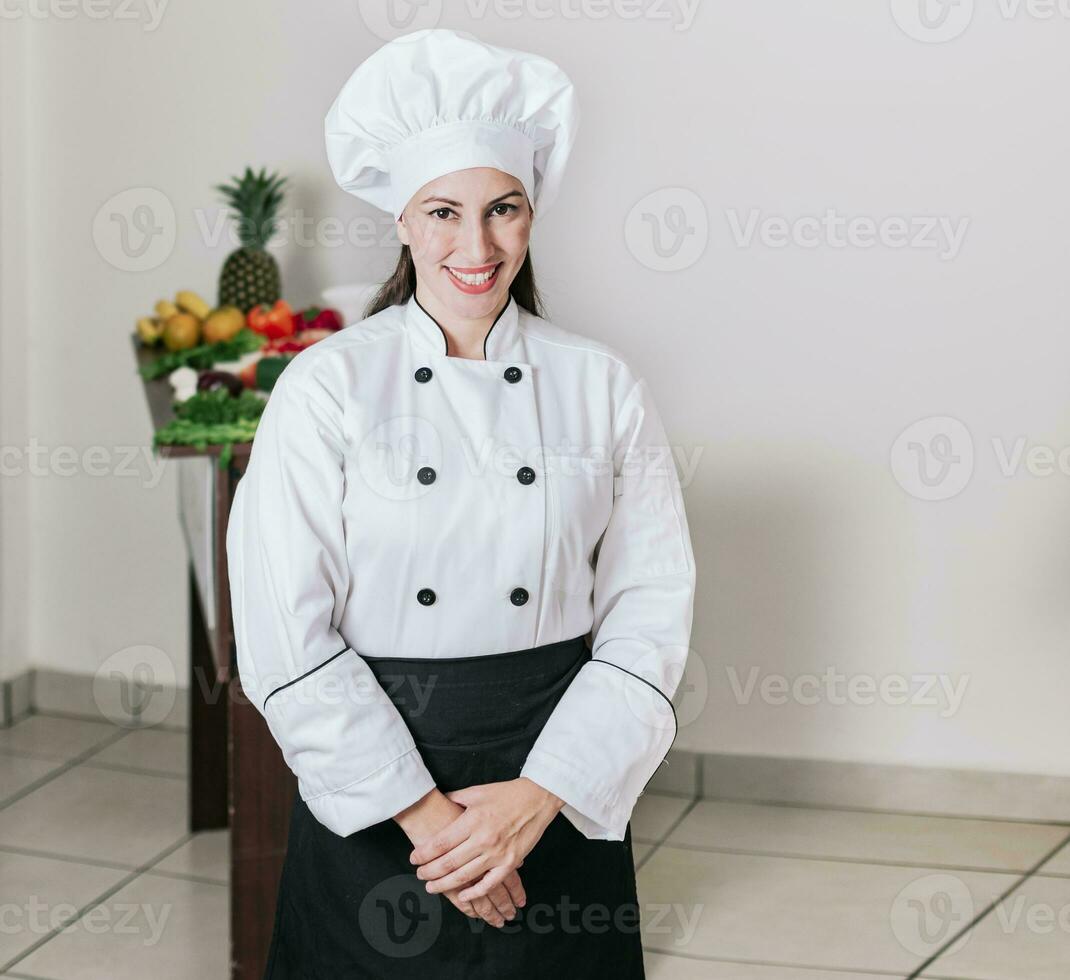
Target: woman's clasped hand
<point>474,859</point>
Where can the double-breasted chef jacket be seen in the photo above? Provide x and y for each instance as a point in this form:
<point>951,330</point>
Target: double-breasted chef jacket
<point>399,502</point>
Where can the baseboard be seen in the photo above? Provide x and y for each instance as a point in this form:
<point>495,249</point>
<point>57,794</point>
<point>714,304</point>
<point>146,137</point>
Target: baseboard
<point>755,779</point>
<point>866,786</point>
<point>94,698</point>
<point>16,698</point>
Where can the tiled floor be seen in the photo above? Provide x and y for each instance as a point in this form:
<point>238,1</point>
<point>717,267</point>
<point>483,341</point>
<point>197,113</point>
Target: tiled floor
<point>99,878</point>
<point>751,892</point>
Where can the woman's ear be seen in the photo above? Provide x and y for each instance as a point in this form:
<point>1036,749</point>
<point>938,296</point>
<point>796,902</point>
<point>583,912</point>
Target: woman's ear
<point>402,230</point>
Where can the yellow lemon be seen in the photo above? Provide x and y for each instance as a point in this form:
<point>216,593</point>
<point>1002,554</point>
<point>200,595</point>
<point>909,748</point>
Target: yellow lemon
<point>181,331</point>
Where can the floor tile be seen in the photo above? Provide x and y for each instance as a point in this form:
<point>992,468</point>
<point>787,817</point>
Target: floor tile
<point>18,771</point>
<point>207,855</point>
<point>662,967</point>
<point>148,748</point>
<point>38,894</point>
<point>832,915</point>
<point>103,814</point>
<point>50,737</point>
<point>654,814</point>
<point>640,850</point>
<point>156,926</point>
<point>987,845</point>
<point>1027,935</point>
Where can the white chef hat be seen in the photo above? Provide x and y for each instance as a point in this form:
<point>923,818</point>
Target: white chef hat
<point>436,101</point>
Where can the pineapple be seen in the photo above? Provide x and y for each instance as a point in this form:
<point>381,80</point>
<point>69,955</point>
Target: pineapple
<point>250,276</point>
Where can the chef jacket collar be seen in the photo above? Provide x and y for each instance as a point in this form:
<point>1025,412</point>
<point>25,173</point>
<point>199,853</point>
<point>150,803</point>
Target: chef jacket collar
<point>501,343</point>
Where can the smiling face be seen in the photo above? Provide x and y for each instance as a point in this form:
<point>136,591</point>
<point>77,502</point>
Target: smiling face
<point>468,232</point>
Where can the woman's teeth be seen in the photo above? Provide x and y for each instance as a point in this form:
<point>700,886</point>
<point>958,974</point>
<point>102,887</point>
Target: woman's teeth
<point>473,280</point>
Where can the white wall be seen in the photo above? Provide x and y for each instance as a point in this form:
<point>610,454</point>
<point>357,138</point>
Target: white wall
<point>15,553</point>
<point>791,370</point>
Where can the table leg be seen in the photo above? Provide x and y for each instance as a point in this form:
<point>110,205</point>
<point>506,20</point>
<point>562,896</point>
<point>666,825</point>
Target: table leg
<point>262,789</point>
<point>208,725</point>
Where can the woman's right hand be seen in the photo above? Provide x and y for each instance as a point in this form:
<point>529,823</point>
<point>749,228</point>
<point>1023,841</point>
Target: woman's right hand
<point>430,814</point>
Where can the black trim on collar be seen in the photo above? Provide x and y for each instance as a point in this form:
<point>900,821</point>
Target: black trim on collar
<point>445,340</point>
<point>495,323</point>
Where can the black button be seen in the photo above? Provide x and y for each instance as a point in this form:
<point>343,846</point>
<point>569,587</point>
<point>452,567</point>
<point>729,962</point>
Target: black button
<point>425,597</point>
<point>513,375</point>
<point>519,596</point>
<point>525,475</point>
<point>425,474</point>
<point>423,374</point>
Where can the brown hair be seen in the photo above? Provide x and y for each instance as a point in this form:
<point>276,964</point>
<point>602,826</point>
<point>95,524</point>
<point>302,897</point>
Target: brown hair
<point>401,285</point>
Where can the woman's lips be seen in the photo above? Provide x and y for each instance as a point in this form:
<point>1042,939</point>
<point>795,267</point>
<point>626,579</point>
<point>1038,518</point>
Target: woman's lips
<point>473,288</point>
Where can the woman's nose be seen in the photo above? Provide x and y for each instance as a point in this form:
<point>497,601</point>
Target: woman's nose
<point>476,242</point>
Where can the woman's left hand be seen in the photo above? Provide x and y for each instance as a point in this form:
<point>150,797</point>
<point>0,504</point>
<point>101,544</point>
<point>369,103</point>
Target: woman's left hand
<point>501,823</point>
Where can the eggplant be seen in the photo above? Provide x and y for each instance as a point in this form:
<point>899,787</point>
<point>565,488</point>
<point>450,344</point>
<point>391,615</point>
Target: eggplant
<point>210,380</point>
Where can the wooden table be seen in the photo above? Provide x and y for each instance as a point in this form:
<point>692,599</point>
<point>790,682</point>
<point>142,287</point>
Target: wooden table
<point>250,788</point>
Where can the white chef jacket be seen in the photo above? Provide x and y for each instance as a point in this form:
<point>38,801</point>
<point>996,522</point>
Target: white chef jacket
<point>402,503</point>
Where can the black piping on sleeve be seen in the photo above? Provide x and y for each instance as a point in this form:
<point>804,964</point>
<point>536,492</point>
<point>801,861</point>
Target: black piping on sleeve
<point>675,720</point>
<point>304,675</point>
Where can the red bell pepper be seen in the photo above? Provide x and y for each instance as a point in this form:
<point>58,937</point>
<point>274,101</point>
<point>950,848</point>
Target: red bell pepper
<point>295,342</point>
<point>276,321</point>
<point>316,319</point>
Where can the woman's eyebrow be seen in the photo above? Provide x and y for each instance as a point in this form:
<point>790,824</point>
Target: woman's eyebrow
<point>457,204</point>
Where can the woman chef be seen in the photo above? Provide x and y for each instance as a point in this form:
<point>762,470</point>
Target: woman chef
<point>444,503</point>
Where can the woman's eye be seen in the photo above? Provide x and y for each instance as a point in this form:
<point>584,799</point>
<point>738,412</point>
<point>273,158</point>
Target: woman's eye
<point>444,213</point>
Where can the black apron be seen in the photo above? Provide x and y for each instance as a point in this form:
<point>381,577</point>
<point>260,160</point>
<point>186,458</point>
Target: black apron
<point>352,907</point>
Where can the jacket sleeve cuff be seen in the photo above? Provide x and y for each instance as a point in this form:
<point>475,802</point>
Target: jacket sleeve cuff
<point>596,816</point>
<point>377,797</point>
<point>600,747</point>
<point>347,743</point>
